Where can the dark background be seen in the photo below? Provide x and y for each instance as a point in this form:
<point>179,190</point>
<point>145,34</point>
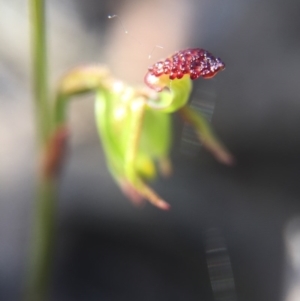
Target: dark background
<point>109,250</point>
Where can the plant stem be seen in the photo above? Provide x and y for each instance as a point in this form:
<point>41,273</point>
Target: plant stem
<point>44,215</point>
<point>42,244</point>
<point>39,61</point>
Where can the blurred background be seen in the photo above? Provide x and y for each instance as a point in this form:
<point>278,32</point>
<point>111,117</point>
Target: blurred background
<point>232,233</point>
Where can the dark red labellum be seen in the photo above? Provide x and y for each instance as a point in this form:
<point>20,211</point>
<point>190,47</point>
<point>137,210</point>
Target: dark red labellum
<point>196,62</point>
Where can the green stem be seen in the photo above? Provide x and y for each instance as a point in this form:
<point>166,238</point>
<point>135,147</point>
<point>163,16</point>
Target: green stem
<point>44,216</point>
<point>39,61</point>
<point>42,245</point>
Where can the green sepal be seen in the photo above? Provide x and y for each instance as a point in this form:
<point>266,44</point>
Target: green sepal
<point>114,122</point>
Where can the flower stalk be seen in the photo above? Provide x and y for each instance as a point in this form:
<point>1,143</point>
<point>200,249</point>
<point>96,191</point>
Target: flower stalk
<point>41,251</point>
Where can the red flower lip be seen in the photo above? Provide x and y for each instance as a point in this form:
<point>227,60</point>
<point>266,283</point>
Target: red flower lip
<point>195,62</point>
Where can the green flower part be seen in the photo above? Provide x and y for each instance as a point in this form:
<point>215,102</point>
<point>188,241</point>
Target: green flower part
<point>134,124</point>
